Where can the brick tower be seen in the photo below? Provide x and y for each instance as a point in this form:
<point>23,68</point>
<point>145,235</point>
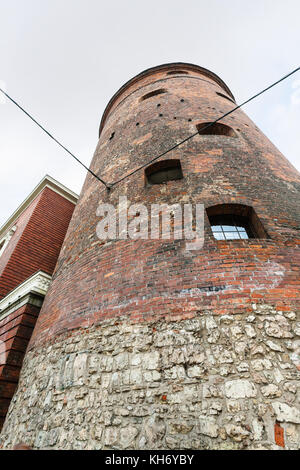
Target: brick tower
<point>142,344</point>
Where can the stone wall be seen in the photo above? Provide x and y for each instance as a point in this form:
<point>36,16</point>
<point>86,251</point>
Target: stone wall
<point>207,382</point>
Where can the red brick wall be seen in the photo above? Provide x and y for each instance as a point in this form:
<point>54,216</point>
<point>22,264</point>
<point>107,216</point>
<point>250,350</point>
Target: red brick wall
<point>160,279</point>
<point>21,224</point>
<point>15,332</point>
<point>37,241</point>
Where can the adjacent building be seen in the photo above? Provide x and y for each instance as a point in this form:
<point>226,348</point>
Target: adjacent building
<point>30,242</point>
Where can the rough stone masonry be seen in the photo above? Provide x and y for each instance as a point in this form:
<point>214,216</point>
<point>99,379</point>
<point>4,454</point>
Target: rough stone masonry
<point>141,344</point>
<point>211,382</point>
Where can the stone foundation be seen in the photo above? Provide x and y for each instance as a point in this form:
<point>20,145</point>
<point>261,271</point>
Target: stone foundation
<point>209,382</point>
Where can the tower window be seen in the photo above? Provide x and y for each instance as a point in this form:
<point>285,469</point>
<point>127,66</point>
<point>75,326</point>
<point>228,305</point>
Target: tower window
<point>230,227</point>
<point>215,129</point>
<point>235,222</point>
<point>175,72</point>
<point>153,93</point>
<point>226,97</point>
<point>161,172</point>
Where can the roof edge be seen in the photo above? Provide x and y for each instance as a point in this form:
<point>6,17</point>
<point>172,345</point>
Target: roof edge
<point>47,181</point>
<point>38,283</point>
<point>151,70</point>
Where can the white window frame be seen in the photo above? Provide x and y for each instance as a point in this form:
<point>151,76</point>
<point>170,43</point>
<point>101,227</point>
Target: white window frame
<point>6,239</point>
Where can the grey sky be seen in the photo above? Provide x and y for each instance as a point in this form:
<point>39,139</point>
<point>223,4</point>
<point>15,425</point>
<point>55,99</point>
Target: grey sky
<point>64,59</point>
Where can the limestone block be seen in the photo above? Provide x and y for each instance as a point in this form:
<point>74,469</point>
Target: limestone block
<point>240,389</point>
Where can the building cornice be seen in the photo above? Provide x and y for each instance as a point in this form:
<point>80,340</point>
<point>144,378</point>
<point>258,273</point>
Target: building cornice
<point>38,283</point>
<point>47,182</point>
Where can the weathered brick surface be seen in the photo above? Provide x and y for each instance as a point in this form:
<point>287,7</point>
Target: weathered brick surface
<point>153,283</point>
<point>145,279</point>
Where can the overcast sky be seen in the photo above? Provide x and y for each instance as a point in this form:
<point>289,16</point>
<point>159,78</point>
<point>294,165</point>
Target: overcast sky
<point>64,59</point>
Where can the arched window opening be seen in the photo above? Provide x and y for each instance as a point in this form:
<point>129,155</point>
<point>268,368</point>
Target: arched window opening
<point>215,129</point>
<point>226,97</point>
<point>153,93</point>
<point>175,72</point>
<point>164,171</point>
<point>235,222</point>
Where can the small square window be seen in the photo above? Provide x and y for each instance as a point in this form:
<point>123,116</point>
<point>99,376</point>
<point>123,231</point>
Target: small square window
<point>163,171</point>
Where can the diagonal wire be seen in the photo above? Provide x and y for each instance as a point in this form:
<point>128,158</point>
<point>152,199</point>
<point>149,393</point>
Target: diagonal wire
<point>55,140</point>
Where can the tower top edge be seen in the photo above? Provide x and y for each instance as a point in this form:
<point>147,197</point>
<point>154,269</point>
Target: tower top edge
<point>158,68</point>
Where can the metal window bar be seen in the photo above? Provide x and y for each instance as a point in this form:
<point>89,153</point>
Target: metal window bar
<point>232,230</point>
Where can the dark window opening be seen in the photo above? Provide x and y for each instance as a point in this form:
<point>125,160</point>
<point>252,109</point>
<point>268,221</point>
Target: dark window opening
<point>153,93</point>
<point>161,172</point>
<point>235,222</point>
<point>174,72</point>
<point>226,97</point>
<point>215,129</point>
